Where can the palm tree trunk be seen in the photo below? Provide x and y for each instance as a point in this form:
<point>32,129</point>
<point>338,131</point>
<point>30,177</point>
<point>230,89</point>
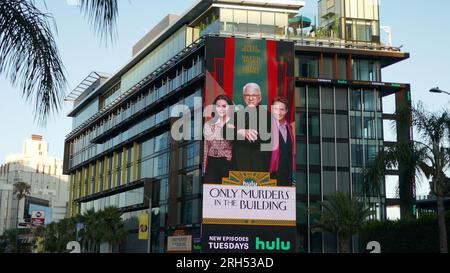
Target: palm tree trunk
<point>344,245</point>
<point>406,180</point>
<point>443,247</point>
<point>17,220</point>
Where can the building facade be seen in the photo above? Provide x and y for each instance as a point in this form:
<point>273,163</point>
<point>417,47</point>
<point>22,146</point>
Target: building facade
<point>121,153</point>
<point>49,187</point>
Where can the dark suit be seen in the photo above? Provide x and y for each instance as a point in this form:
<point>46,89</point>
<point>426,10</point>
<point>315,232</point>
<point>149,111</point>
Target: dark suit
<point>247,156</point>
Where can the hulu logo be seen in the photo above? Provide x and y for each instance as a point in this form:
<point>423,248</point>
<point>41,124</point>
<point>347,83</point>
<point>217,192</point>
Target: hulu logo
<point>272,245</point>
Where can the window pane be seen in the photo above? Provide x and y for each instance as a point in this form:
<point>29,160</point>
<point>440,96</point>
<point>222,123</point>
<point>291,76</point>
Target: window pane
<point>356,129</point>
<point>328,154</point>
<point>357,155</point>
<point>328,67</point>
<point>314,184</point>
<point>341,99</point>
<point>343,153</point>
<point>329,183</point>
<point>342,68</point>
<point>369,100</point>
<point>314,154</point>
<point>327,98</point>
<point>313,97</point>
<point>355,97</point>
<point>344,182</point>
<point>342,126</point>
<point>327,126</point>
<point>300,97</point>
<point>314,125</point>
<point>309,66</point>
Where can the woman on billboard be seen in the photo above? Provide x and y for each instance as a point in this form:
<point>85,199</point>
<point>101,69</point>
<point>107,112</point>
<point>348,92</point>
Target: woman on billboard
<point>217,150</point>
<point>282,163</point>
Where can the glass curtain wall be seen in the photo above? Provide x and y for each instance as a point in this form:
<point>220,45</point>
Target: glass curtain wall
<point>338,131</point>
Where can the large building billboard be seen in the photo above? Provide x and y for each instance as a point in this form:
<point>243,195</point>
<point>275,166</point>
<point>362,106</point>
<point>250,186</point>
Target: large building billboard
<point>249,137</point>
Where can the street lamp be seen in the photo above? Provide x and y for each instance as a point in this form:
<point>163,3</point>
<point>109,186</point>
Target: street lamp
<point>149,227</point>
<point>439,91</point>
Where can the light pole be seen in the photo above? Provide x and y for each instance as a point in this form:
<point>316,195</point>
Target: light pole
<point>149,212</point>
<point>439,91</point>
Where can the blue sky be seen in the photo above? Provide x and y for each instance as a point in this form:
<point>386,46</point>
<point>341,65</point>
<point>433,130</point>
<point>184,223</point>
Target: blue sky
<point>421,27</point>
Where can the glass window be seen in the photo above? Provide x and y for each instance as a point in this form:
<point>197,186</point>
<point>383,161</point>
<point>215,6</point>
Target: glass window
<point>316,239</point>
<point>327,98</point>
<point>314,125</point>
<point>357,181</point>
<point>343,153</point>
<point>309,66</point>
<point>300,121</point>
<point>302,213</point>
<point>369,100</point>
<point>328,67</point>
<point>329,242</point>
<point>301,183</point>
<point>356,129</point>
<point>342,68</point>
<point>226,19</point>
<point>328,154</point>
<point>254,22</point>
<point>355,97</point>
<point>314,154</point>
<point>328,126</point>
<point>281,24</point>
<point>300,97</point>
<point>329,183</point>
<point>342,126</point>
<point>313,97</point>
<point>240,18</point>
<point>341,95</point>
<point>343,182</point>
<point>357,155</point>
<point>371,152</point>
<point>369,127</point>
<point>301,153</point>
<point>268,24</point>
<point>314,183</point>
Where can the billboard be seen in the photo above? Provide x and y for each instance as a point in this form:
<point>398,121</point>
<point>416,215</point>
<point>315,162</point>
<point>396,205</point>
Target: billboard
<point>249,157</point>
<point>37,218</point>
<point>238,239</point>
<point>179,243</point>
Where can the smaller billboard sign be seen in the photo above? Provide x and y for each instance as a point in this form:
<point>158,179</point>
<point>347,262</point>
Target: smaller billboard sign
<point>37,218</point>
<point>179,243</point>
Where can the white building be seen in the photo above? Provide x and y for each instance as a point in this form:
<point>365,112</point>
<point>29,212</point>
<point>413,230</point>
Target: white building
<point>43,173</point>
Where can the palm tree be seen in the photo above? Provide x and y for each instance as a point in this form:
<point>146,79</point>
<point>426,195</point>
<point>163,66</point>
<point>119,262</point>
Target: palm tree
<point>29,56</point>
<point>342,215</point>
<point>429,158</point>
<point>409,156</point>
<point>112,228</point>
<point>21,189</point>
<point>90,232</point>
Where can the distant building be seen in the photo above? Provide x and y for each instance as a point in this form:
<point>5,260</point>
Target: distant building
<point>49,187</point>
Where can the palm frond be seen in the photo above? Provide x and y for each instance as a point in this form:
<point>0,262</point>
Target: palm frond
<point>102,15</point>
<point>29,56</point>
